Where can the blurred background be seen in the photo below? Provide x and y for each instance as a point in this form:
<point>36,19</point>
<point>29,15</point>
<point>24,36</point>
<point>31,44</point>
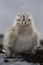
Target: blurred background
<point>9,9</point>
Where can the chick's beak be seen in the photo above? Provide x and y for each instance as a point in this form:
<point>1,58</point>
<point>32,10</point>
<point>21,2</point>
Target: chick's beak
<point>23,23</point>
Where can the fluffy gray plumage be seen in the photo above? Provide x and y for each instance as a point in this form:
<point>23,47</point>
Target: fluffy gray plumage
<point>22,36</point>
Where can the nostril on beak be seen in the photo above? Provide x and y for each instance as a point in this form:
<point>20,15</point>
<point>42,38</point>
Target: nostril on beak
<point>25,22</point>
<point>22,22</point>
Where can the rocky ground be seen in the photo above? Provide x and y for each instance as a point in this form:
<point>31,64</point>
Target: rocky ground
<point>16,61</point>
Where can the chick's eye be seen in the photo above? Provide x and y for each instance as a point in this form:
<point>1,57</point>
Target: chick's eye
<point>18,19</point>
<point>28,19</point>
